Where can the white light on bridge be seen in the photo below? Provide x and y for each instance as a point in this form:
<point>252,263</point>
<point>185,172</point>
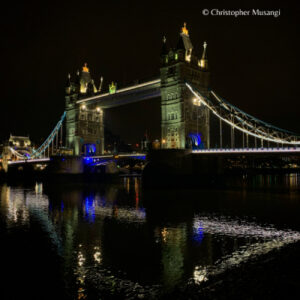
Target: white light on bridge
<point>249,150</point>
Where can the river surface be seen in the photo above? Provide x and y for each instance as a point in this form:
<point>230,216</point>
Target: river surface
<point>118,241</point>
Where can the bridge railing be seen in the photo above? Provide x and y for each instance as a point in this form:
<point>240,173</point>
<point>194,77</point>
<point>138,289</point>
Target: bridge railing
<point>243,122</point>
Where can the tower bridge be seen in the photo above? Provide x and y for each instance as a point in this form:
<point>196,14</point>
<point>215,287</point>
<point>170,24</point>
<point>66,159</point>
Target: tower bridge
<point>180,124</point>
<point>188,108</point>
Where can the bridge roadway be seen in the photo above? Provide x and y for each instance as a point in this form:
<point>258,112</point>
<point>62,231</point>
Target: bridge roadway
<point>287,150</point>
<point>127,95</point>
<point>23,161</point>
<point>87,158</point>
<point>245,151</point>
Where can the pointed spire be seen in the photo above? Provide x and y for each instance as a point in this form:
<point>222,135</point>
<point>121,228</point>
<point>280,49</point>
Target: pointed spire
<point>203,63</point>
<point>100,86</point>
<point>204,55</point>
<point>68,84</point>
<point>77,79</point>
<point>164,50</point>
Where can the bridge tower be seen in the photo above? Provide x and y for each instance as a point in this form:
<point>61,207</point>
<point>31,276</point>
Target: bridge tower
<point>84,123</point>
<point>184,123</point>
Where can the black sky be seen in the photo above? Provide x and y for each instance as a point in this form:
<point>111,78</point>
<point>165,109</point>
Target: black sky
<point>254,61</point>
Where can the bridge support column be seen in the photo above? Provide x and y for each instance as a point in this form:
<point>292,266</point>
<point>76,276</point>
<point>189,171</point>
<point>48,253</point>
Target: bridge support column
<point>232,137</point>
<point>221,142</point>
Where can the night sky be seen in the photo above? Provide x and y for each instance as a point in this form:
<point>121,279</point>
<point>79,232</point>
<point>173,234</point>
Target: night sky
<point>254,61</point>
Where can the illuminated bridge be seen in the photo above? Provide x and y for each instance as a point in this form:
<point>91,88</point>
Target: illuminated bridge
<point>189,111</point>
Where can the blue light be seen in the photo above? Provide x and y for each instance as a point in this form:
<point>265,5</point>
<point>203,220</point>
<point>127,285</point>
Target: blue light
<point>198,234</point>
<point>62,206</point>
<point>89,209</point>
<point>87,160</point>
<point>143,157</point>
<point>196,140</point>
<point>90,149</point>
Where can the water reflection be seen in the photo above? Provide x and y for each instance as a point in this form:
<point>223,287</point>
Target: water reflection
<point>292,180</point>
<point>115,240</point>
<point>259,241</point>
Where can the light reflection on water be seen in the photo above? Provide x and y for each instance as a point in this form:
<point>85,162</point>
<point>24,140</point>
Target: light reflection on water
<point>110,239</point>
<point>261,240</point>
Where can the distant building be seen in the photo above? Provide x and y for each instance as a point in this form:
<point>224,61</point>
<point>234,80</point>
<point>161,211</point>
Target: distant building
<point>19,142</point>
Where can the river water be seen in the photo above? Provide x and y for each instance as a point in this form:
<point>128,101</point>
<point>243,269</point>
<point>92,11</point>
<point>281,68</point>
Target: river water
<point>119,241</point>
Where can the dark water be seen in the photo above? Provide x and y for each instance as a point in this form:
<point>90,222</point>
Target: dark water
<point>117,241</point>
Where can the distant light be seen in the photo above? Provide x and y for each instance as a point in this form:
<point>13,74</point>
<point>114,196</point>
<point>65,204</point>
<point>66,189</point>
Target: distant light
<point>83,107</point>
<point>196,101</point>
<point>98,109</point>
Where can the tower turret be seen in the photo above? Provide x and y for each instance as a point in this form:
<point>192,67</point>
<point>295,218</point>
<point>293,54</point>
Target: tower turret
<point>85,79</point>
<point>68,85</point>
<point>164,52</point>
<point>183,122</point>
<point>184,43</point>
<point>203,63</point>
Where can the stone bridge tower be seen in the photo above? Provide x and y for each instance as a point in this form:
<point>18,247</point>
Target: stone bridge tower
<point>184,122</point>
<point>84,123</point>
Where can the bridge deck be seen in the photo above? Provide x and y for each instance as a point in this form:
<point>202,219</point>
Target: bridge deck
<point>248,150</point>
<point>131,94</point>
